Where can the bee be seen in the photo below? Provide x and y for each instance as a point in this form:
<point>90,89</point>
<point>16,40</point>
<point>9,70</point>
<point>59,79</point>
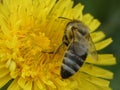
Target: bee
<point>79,44</point>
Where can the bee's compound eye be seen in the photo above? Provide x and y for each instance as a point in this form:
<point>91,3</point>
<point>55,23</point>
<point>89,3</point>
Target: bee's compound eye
<point>82,32</point>
<point>73,28</point>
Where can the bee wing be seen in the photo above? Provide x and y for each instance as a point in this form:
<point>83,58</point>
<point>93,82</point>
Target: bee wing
<point>79,49</point>
<point>92,49</point>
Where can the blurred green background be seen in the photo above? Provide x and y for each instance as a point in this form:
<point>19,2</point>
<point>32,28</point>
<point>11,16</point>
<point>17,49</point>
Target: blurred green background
<point>108,12</point>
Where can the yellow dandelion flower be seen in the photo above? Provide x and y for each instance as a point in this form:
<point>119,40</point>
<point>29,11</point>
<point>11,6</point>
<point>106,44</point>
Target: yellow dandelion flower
<point>28,28</point>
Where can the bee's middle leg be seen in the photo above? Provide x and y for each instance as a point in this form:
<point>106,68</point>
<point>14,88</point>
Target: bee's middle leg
<point>55,51</point>
<point>58,48</point>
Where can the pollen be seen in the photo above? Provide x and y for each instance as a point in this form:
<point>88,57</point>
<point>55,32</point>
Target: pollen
<point>32,52</point>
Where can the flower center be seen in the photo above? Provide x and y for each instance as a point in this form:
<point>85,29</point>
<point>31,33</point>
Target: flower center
<point>31,49</point>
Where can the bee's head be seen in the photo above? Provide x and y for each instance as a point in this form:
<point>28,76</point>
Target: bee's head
<point>76,28</point>
<point>79,26</point>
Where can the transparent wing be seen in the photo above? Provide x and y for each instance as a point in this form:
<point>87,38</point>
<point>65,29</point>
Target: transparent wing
<point>92,49</point>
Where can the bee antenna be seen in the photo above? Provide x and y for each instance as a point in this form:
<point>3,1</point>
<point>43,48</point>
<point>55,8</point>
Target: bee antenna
<point>65,18</point>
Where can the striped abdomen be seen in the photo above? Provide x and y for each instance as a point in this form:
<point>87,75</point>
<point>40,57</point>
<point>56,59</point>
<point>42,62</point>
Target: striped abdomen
<point>71,63</point>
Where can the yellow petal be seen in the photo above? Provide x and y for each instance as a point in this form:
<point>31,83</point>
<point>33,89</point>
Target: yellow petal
<point>14,85</point>
<point>68,12</point>
<point>12,43</point>
<point>21,82</point>
<point>60,82</point>
<point>4,80</point>
<point>90,86</point>
<point>28,86</point>
<point>15,73</point>
<point>87,18</point>
<point>48,82</point>
<point>2,64</point>
<point>103,44</point>
<point>97,36</point>
<point>97,81</point>
<point>94,25</point>
<point>105,88</point>
<point>60,8</point>
<point>40,85</point>
<point>3,11</point>
<point>78,12</point>
<point>35,87</point>
<point>85,85</point>
<point>3,72</point>
<point>72,85</point>
<point>103,59</point>
<point>11,65</point>
<point>96,71</point>
<point>50,5</point>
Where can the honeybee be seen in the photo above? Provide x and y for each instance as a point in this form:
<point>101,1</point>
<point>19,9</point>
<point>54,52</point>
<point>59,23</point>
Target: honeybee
<point>79,44</point>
